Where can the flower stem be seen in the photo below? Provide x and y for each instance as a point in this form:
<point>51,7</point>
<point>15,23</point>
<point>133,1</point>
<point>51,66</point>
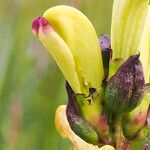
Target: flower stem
<point>120,142</point>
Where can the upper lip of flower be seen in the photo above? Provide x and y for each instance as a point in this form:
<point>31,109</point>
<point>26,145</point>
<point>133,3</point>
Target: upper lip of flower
<point>76,37</point>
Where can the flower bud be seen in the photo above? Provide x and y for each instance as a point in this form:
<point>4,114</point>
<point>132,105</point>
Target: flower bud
<point>64,129</point>
<point>77,123</point>
<point>124,90</point>
<point>95,131</point>
<point>135,120</point>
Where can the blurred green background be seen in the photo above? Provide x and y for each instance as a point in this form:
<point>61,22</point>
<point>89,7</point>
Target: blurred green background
<point>31,85</point>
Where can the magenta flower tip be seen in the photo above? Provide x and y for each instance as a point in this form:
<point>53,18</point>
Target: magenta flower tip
<point>39,22</point>
<point>36,25</point>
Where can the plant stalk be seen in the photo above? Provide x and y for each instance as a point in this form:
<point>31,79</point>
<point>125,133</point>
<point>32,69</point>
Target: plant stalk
<point>120,142</point>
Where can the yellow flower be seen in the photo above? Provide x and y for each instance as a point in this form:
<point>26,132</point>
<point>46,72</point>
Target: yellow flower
<point>71,39</point>
<point>102,84</point>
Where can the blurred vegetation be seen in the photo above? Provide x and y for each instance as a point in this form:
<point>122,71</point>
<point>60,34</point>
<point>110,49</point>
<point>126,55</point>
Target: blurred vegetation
<point>31,85</point>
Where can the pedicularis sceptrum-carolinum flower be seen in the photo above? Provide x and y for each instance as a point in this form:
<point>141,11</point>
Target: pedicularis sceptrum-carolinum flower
<point>107,79</point>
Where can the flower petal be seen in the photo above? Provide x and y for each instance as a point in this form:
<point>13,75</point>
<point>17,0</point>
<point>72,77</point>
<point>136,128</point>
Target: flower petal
<point>145,48</point>
<point>58,49</point>
<point>80,36</point>
<point>128,20</point>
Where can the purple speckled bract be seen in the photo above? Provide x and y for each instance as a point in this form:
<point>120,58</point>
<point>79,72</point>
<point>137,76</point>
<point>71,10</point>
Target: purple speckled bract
<point>77,123</point>
<point>126,87</point>
<point>39,22</point>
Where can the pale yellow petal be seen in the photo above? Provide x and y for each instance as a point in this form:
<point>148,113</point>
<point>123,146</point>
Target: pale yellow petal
<point>145,48</point>
<point>58,49</point>
<point>128,21</point>
<point>80,36</point>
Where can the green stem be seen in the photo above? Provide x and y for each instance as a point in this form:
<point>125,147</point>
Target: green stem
<point>120,142</point>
